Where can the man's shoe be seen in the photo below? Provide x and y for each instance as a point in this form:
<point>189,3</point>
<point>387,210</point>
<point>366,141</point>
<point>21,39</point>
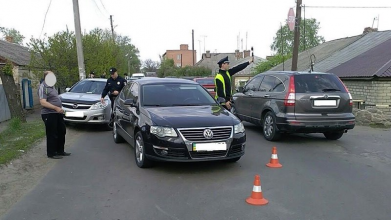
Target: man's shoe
<point>55,157</point>
<point>64,154</point>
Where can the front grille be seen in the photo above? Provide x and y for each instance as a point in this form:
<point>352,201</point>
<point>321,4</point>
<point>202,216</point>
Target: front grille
<point>208,154</point>
<point>76,119</point>
<point>197,134</point>
<point>78,106</point>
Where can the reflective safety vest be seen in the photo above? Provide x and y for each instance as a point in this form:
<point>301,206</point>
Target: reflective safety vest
<point>220,77</point>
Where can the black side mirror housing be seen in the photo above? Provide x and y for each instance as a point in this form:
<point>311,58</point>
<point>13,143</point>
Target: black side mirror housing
<point>130,102</point>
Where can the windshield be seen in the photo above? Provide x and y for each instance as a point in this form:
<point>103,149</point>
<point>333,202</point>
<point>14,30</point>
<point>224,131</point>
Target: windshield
<point>175,95</point>
<point>208,81</point>
<point>89,86</point>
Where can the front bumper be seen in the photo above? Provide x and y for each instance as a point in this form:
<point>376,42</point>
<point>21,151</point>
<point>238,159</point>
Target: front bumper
<point>99,116</point>
<point>180,150</point>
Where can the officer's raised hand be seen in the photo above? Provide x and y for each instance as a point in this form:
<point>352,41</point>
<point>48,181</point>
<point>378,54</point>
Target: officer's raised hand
<point>102,100</point>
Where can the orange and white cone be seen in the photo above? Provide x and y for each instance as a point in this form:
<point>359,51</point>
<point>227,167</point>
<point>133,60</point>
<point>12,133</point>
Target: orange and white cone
<point>274,163</point>
<point>256,197</point>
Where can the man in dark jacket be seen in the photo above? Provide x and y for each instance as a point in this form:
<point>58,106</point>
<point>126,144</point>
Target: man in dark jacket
<point>114,85</point>
<point>223,81</point>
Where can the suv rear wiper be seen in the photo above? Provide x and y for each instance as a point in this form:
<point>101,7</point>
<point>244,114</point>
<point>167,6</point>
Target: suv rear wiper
<point>330,90</point>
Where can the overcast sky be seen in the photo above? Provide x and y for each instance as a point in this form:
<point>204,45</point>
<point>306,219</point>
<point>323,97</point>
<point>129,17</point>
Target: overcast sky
<point>159,25</point>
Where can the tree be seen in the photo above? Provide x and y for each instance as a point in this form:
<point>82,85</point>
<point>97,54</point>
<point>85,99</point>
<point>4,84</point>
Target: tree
<point>58,54</point>
<point>269,63</point>
<point>17,37</point>
<point>166,68</point>
<point>284,44</point>
<point>150,65</point>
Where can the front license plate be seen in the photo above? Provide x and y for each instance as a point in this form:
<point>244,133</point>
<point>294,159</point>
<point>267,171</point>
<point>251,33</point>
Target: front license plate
<point>74,114</point>
<point>209,146</point>
<point>325,102</point>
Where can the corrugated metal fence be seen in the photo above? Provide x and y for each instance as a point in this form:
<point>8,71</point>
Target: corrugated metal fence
<point>5,113</point>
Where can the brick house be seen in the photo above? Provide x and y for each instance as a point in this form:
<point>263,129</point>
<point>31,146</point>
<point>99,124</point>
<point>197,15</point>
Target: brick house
<point>182,57</point>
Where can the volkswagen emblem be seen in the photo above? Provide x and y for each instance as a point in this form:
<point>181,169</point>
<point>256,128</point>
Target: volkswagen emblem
<point>326,96</point>
<point>75,106</point>
<point>208,134</point>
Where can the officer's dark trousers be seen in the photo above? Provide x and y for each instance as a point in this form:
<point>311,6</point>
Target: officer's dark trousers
<point>55,133</point>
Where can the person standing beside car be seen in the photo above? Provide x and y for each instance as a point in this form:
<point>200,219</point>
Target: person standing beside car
<point>53,117</point>
<point>113,87</point>
<point>223,83</point>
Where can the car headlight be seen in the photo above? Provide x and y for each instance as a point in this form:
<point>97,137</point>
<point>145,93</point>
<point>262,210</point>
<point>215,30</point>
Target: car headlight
<point>99,105</point>
<point>239,128</point>
<point>163,131</point>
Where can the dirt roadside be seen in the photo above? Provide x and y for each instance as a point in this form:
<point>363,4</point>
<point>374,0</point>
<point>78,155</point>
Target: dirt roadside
<point>21,175</point>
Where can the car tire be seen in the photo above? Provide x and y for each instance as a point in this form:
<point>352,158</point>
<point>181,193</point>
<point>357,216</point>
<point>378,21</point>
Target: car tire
<point>139,152</point>
<point>333,135</point>
<point>117,138</point>
<point>269,127</point>
<point>233,160</point>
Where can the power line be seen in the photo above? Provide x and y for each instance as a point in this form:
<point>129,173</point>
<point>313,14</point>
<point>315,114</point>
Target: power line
<point>44,20</point>
<point>104,7</point>
<point>98,8</point>
<point>348,6</point>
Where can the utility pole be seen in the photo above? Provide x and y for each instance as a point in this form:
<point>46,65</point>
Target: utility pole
<point>112,28</point>
<point>296,41</point>
<point>79,45</point>
<point>192,42</point>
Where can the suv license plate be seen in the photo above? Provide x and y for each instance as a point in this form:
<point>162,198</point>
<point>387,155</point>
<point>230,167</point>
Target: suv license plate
<point>325,103</point>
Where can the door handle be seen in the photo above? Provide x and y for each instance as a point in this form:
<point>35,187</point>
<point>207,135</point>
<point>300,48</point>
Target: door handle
<point>266,96</point>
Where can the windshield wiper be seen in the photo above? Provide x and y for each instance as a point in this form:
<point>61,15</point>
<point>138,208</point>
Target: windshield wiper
<point>330,90</point>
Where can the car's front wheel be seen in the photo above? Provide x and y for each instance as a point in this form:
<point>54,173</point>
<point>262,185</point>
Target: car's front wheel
<point>139,152</point>
<point>117,138</point>
<point>333,135</point>
<point>269,127</point>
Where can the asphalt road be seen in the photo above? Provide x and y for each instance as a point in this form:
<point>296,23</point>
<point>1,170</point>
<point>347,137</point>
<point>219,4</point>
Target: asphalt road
<point>320,179</point>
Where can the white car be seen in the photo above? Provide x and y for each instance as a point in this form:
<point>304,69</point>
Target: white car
<point>82,104</point>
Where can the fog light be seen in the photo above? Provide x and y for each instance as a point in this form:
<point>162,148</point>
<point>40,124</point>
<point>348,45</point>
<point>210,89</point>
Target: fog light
<point>164,152</point>
<point>100,118</point>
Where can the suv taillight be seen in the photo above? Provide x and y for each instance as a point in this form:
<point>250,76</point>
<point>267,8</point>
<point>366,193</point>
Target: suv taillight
<point>346,89</point>
<point>290,97</point>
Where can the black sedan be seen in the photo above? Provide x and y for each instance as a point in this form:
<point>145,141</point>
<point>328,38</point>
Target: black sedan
<point>175,120</point>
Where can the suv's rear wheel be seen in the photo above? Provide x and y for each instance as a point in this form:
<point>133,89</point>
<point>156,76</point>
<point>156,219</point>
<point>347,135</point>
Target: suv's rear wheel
<point>269,127</point>
<point>333,135</point>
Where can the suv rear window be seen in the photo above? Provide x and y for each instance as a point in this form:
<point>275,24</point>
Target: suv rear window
<point>318,83</point>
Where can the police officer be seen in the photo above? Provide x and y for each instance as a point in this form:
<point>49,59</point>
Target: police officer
<point>114,85</point>
<point>223,81</point>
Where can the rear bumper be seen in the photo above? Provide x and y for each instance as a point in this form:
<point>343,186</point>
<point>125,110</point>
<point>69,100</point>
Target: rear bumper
<point>314,126</point>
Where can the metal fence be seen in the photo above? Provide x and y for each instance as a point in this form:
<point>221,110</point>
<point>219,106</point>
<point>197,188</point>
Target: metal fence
<point>5,113</point>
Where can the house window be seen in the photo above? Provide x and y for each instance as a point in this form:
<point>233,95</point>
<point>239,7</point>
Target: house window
<point>178,57</point>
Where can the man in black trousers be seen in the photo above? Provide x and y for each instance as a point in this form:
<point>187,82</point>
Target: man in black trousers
<point>53,117</point>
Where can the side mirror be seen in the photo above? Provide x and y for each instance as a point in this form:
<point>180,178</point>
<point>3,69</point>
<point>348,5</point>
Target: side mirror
<point>221,100</point>
<point>130,102</point>
<point>67,89</point>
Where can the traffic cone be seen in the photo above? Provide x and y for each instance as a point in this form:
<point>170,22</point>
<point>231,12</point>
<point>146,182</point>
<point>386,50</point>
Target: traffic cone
<point>274,160</point>
<point>256,197</point>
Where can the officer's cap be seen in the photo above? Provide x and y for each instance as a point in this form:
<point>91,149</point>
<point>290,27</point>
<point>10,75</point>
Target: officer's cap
<point>112,70</point>
<point>224,60</point>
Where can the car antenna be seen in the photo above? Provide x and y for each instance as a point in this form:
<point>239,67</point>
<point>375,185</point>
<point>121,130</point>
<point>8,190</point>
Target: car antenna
<point>312,62</point>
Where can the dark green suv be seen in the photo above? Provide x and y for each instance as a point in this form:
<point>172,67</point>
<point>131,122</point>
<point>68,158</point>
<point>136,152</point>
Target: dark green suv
<point>295,102</point>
